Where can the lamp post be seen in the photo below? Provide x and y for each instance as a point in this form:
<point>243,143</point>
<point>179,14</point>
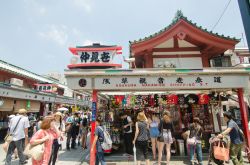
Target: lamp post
<point>245,15</point>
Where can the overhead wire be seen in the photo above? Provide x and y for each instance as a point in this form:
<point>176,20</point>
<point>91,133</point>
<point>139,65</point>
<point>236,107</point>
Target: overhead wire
<point>222,14</point>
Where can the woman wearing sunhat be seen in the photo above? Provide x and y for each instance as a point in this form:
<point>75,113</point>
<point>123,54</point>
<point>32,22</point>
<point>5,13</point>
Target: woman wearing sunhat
<point>59,124</point>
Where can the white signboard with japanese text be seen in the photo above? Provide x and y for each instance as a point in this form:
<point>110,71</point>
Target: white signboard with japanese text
<point>95,57</point>
<point>171,82</point>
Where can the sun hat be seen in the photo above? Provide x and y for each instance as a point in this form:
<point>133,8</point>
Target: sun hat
<point>58,114</point>
<point>22,111</point>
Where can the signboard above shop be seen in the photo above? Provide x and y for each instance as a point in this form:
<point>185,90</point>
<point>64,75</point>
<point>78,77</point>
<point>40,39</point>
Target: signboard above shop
<point>159,82</point>
<point>94,56</point>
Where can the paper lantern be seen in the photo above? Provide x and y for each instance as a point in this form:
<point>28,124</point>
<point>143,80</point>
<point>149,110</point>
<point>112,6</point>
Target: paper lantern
<point>172,99</point>
<point>203,99</point>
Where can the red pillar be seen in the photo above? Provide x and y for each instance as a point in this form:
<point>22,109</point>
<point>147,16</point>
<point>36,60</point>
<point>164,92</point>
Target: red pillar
<point>94,112</point>
<point>244,117</point>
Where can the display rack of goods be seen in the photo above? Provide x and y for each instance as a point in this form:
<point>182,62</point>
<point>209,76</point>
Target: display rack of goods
<point>203,112</point>
<point>175,115</point>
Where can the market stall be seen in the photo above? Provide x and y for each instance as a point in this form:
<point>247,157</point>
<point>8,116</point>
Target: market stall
<point>185,93</point>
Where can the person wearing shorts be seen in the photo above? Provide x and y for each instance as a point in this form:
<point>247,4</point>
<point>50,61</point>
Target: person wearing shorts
<point>166,129</point>
<point>154,133</point>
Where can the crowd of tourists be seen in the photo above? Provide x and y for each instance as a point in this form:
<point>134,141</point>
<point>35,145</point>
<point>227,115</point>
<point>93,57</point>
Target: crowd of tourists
<point>160,132</point>
<point>27,132</point>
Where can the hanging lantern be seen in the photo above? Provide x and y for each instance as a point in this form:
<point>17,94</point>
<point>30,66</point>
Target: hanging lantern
<point>203,99</point>
<point>172,99</point>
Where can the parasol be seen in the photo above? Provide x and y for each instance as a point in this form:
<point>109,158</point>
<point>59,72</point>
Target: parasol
<point>62,109</point>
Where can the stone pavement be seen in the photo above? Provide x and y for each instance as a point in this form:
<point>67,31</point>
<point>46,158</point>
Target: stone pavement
<point>77,157</point>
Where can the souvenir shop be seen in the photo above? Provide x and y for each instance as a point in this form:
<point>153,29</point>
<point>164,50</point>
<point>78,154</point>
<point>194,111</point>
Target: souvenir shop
<point>183,106</point>
<point>185,93</point>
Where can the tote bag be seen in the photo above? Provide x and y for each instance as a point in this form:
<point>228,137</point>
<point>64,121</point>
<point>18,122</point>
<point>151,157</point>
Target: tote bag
<point>220,152</point>
<point>35,152</point>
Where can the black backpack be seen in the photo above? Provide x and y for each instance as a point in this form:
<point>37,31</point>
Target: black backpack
<point>84,122</point>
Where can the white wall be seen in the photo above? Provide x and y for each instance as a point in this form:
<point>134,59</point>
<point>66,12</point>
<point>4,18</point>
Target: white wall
<point>183,63</point>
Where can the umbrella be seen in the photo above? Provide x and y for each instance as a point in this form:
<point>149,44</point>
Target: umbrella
<point>134,149</point>
<point>62,109</point>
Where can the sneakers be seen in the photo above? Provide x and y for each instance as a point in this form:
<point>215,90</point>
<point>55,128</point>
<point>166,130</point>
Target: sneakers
<point>25,162</point>
<point>127,155</point>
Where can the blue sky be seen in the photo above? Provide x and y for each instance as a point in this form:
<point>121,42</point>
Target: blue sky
<point>36,34</point>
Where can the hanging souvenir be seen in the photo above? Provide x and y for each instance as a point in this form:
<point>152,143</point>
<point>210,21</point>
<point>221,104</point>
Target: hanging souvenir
<point>128,100</point>
<point>172,99</point>
<point>124,101</point>
<point>192,99</point>
<point>181,99</point>
<point>163,99</point>
<point>203,99</point>
<point>156,102</point>
<point>132,100</point>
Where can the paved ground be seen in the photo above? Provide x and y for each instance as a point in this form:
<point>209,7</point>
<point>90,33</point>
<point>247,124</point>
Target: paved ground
<point>78,157</point>
<point>72,157</point>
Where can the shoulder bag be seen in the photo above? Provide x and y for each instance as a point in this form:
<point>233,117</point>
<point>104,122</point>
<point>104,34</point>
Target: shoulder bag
<point>161,138</point>
<point>9,137</point>
<point>221,152</point>
<point>193,140</point>
<point>35,151</point>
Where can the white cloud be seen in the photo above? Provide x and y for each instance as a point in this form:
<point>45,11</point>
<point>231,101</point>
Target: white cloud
<point>88,42</point>
<point>55,33</point>
<point>85,4</point>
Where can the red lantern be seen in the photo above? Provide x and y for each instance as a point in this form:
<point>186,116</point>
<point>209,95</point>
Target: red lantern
<point>203,99</point>
<point>118,99</point>
<point>172,99</point>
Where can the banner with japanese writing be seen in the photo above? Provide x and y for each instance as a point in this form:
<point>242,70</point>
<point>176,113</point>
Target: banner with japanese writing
<point>171,82</point>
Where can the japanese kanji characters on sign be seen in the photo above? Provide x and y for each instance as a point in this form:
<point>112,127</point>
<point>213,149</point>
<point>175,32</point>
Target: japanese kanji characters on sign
<point>96,57</point>
<point>158,82</point>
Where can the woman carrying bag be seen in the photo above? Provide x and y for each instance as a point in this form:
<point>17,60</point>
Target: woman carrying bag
<point>57,141</point>
<point>165,138</point>
<point>194,140</point>
<point>45,136</point>
<point>141,137</point>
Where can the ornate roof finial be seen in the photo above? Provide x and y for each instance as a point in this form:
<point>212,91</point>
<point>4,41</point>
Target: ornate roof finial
<point>178,15</point>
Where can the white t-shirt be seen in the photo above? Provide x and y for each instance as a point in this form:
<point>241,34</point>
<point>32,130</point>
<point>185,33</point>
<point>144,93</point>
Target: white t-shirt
<point>19,132</point>
<point>129,120</point>
<point>57,124</point>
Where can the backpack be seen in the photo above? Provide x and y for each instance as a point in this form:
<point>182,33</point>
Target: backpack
<point>107,142</point>
<point>84,122</point>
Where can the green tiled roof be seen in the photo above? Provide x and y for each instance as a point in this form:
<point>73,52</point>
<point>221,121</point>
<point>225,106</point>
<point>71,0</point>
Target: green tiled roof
<point>179,16</point>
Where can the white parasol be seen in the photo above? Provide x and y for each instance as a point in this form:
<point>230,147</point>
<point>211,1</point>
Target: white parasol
<point>134,149</point>
<point>62,109</point>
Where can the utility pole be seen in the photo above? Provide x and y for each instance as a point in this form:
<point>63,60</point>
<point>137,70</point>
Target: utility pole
<point>245,15</point>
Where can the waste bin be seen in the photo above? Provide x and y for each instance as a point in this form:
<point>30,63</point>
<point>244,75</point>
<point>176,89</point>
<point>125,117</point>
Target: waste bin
<point>181,147</point>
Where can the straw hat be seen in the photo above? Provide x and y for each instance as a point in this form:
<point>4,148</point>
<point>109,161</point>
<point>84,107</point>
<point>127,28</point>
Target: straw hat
<point>58,114</point>
<point>22,111</point>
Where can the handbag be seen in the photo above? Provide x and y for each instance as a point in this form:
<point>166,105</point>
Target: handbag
<point>35,152</point>
<point>161,137</point>
<point>9,137</point>
<point>192,141</point>
<point>221,153</point>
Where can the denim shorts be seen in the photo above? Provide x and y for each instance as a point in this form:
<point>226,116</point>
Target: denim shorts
<point>154,132</point>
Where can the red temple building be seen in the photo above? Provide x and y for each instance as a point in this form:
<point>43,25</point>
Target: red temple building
<point>182,44</point>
